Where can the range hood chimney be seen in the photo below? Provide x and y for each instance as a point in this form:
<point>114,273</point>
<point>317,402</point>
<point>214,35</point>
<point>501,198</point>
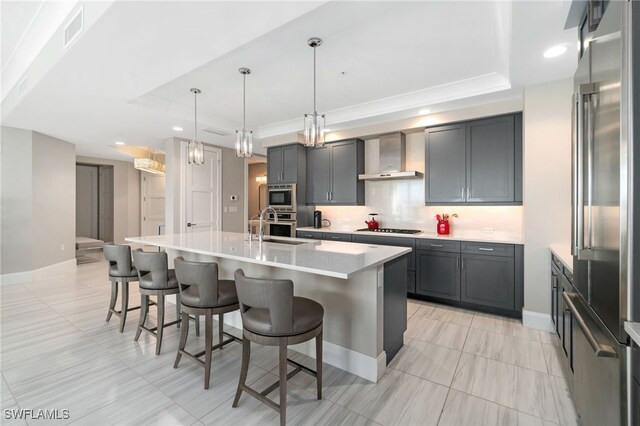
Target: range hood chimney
<point>392,159</point>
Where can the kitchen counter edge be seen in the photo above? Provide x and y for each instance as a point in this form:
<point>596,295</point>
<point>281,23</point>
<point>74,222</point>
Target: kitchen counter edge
<point>424,235</point>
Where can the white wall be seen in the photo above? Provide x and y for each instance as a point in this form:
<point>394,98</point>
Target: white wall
<point>16,199</point>
<point>126,197</point>
<point>54,201</point>
<point>547,184</point>
<point>38,201</point>
<point>400,203</point>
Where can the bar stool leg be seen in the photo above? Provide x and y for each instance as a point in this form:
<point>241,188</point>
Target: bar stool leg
<point>197,321</point>
<point>144,310</point>
<point>319,365</point>
<point>114,298</point>
<point>208,342</point>
<point>220,328</point>
<point>183,337</point>
<point>283,382</point>
<point>178,305</point>
<point>160,327</point>
<point>125,304</point>
<point>244,369</point>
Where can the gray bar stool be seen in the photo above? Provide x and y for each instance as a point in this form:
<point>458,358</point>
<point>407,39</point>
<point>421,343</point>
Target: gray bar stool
<point>156,279</point>
<point>120,271</point>
<point>202,293</point>
<point>272,316</point>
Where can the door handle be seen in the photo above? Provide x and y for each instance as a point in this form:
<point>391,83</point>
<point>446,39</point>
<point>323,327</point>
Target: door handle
<point>189,224</point>
<point>601,350</point>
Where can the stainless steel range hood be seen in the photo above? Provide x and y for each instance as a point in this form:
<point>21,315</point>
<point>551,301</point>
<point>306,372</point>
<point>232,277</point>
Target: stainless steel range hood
<point>392,159</point>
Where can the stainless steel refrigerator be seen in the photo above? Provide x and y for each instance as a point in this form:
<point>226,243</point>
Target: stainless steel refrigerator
<point>603,232</point>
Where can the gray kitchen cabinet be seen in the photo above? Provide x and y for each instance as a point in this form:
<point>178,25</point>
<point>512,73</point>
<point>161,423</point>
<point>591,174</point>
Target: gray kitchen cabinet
<point>310,234</point>
<point>556,295</point>
<point>332,174</point>
<point>318,175</point>
<point>488,280</point>
<point>286,164</point>
<point>475,162</point>
<point>337,236</point>
<point>438,274</point>
<point>490,160</point>
<point>445,175</point>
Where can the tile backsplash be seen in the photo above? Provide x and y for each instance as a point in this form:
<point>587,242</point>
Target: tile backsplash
<point>400,203</point>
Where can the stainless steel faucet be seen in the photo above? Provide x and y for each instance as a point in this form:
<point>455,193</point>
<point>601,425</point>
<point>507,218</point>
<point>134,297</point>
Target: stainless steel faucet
<point>275,219</point>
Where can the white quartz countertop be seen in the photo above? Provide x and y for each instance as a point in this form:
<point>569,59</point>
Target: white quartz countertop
<point>477,236</point>
<point>330,258</point>
<point>563,252</point>
<point>633,330</point>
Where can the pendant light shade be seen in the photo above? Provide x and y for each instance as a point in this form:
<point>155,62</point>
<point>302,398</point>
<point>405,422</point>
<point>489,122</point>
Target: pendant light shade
<point>314,123</point>
<point>244,137</point>
<point>195,149</point>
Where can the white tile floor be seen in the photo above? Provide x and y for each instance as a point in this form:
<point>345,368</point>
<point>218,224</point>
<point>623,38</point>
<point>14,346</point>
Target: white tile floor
<point>458,367</point>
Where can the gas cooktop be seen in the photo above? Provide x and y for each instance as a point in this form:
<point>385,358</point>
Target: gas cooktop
<point>391,230</point>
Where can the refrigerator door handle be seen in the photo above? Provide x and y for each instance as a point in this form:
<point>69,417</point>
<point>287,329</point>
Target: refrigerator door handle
<point>601,350</point>
<point>578,195</point>
<point>584,91</point>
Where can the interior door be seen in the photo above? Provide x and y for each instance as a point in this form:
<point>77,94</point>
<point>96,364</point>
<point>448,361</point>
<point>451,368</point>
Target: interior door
<point>87,201</point>
<point>202,190</point>
<point>105,203</point>
<point>153,198</point>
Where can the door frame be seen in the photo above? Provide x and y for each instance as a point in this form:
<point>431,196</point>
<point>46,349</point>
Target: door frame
<point>183,185</point>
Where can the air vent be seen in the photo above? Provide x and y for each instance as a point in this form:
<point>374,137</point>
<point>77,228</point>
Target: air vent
<point>73,29</point>
<point>218,132</point>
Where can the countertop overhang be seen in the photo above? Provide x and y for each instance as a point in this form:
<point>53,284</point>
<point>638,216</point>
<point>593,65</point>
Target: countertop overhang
<point>328,258</point>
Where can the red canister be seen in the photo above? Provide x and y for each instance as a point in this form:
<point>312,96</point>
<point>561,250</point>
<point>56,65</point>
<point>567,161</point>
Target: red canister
<point>443,227</point>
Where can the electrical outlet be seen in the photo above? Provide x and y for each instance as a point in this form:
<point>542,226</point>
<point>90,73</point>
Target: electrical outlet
<point>233,209</point>
<point>488,230</point>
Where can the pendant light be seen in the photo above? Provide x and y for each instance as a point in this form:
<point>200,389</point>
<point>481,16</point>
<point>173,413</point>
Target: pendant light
<point>314,123</point>
<point>244,137</point>
<point>195,149</point>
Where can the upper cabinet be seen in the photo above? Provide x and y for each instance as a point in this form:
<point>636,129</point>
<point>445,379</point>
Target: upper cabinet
<point>286,164</point>
<point>332,174</point>
<point>476,162</point>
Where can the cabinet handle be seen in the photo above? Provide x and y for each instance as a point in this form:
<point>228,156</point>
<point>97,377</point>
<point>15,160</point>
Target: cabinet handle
<point>335,238</point>
<point>327,195</point>
<point>457,263</point>
<point>461,263</point>
<point>437,245</point>
<point>468,193</point>
<point>485,249</point>
<point>331,195</point>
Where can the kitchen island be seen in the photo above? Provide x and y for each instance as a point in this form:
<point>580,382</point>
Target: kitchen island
<point>362,288</point>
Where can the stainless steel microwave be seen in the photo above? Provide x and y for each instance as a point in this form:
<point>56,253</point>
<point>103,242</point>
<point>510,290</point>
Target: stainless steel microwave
<point>282,197</point>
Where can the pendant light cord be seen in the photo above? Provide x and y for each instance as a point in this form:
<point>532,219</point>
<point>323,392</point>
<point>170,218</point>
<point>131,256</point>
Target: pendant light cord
<point>195,108</point>
<point>244,102</point>
<point>315,111</point>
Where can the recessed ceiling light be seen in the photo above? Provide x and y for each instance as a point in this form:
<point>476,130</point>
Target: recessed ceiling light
<point>120,143</point>
<point>424,111</point>
<point>554,51</point>
<point>178,128</point>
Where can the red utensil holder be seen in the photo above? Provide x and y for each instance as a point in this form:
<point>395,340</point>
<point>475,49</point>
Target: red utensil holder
<point>443,227</point>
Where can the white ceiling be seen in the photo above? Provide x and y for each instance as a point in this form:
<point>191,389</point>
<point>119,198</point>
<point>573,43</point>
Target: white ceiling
<point>129,75</point>
<point>16,19</point>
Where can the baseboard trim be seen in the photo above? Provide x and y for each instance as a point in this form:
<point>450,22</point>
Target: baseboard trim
<point>370,368</point>
<point>537,321</point>
<point>28,276</point>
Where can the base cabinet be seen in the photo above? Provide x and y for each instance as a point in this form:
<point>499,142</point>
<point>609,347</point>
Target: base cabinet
<point>438,274</point>
<point>488,280</point>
